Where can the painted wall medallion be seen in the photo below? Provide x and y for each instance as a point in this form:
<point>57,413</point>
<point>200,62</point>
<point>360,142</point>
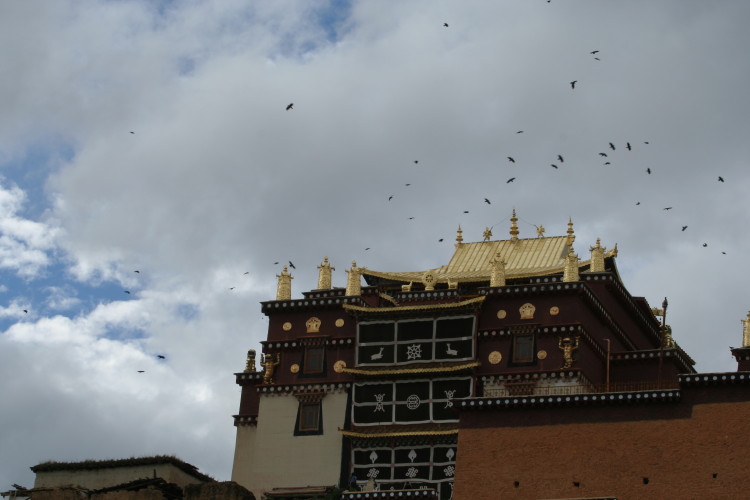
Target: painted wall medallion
<point>294,368</point>
<point>313,325</point>
<point>527,311</point>
<point>542,354</point>
<point>339,322</point>
<point>495,357</point>
<point>502,313</point>
<point>339,366</point>
<point>286,326</point>
<point>554,310</point>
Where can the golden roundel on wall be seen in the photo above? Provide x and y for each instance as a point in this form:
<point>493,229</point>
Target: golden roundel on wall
<point>495,357</point>
<point>294,368</point>
<point>541,354</point>
<point>339,366</point>
<point>502,313</point>
<point>339,322</point>
<point>286,326</point>
<point>554,310</point>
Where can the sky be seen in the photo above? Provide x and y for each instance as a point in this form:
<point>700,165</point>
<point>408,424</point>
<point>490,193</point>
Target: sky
<point>151,178</point>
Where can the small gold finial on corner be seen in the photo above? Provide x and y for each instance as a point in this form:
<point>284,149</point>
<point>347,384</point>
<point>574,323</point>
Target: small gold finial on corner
<point>514,227</point>
<point>540,231</point>
<point>571,234</point>
<point>746,331</point>
<point>571,267</point>
<point>597,257</point>
<point>284,286</point>
<point>324,275</point>
<point>353,283</point>
<point>459,235</point>
<point>487,234</point>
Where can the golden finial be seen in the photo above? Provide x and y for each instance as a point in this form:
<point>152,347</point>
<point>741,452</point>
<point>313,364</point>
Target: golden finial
<point>324,275</point>
<point>497,276</point>
<point>597,257</point>
<point>571,267</point>
<point>250,364</point>
<point>746,331</point>
<point>571,235</point>
<point>353,284</point>
<point>514,227</point>
<point>284,287</point>
<point>614,251</point>
<point>540,231</point>
<point>667,340</point>
<point>459,236</point>
<point>487,234</point>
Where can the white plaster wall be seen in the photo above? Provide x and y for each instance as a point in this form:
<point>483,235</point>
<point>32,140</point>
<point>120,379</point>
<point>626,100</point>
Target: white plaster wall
<point>281,459</point>
<point>244,448</point>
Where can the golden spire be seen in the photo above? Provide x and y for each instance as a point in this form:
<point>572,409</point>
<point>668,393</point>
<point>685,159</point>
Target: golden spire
<point>571,267</point>
<point>614,251</point>
<point>597,257</point>
<point>540,231</point>
<point>746,331</point>
<point>497,277</point>
<point>284,287</point>
<point>571,235</point>
<point>513,227</point>
<point>459,236</point>
<point>353,284</point>
<point>487,234</point>
<point>324,275</point>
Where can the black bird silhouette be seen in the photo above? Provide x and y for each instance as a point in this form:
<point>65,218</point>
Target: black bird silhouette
<point>721,179</point>
<point>705,244</point>
<point>26,311</point>
<point>161,356</point>
<point>553,165</point>
<point>684,227</point>
<point>291,265</point>
<point>594,51</point>
<point>390,197</point>
<point>627,145</point>
<point>668,208</point>
<point>132,132</point>
<point>487,201</point>
<point>445,25</point>
<point>648,170</point>
<point>441,239</point>
<point>290,106</point>
<point>723,253</point>
<point>519,132</point>
<point>559,157</point>
<point>603,154</point>
<point>411,218</point>
<point>231,288</point>
<point>466,211</point>
<point>366,249</point>
<point>607,163</point>
<point>637,202</point>
<point>127,291</point>
<point>276,263</point>
<point>137,271</point>
<point>407,184</point>
<point>510,159</point>
<point>612,146</point>
<point>141,371</point>
<point>573,84</point>
<point>246,272</point>
<point>645,142</point>
<point>597,59</point>
<point>510,180</point>
<point>416,161</point>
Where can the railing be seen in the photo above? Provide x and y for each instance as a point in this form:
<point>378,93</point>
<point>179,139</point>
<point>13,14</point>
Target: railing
<point>530,388</point>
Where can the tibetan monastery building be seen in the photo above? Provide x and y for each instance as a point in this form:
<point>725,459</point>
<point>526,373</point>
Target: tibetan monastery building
<point>517,370</point>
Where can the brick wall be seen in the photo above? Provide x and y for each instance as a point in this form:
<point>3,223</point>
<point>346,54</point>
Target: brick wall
<point>691,449</point>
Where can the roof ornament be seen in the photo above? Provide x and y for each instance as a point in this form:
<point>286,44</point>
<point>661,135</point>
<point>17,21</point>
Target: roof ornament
<point>746,331</point>
<point>353,284</point>
<point>571,235</point>
<point>614,251</point>
<point>571,267</point>
<point>487,234</point>
<point>324,275</point>
<point>597,257</point>
<point>540,231</point>
<point>459,236</point>
<point>497,276</point>
<point>284,287</point>
<point>514,227</point>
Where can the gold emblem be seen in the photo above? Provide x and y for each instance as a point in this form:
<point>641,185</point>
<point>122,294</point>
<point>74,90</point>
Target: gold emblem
<point>286,326</point>
<point>339,322</point>
<point>541,354</point>
<point>527,311</point>
<point>294,368</point>
<point>339,366</point>
<point>554,310</point>
<point>502,313</point>
<point>313,325</point>
<point>495,357</point>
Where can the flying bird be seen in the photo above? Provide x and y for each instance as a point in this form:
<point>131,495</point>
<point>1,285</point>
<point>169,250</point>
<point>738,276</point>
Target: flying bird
<point>637,203</point>
<point>721,179</point>
<point>510,180</point>
<point>466,211</point>
<point>705,244</point>
<point>607,163</point>
<point>290,106</point>
<point>519,132</point>
<point>407,184</point>
<point>366,249</point>
<point>603,154</point>
<point>627,145</point>
<point>612,146</point>
<point>684,227</point>
<point>668,208</point>
<point>161,356</point>
<point>246,272</point>
<point>231,288</point>
<point>26,311</point>
<point>487,201</point>
<point>276,263</point>
<point>390,197</point>
<point>132,132</point>
<point>291,265</point>
<point>127,291</point>
<point>559,157</point>
<point>510,159</point>
<point>440,240</point>
<point>553,165</point>
<point>141,371</point>
<point>411,218</point>
<point>445,25</point>
<point>573,84</point>
<point>416,161</point>
<point>594,51</point>
<point>648,170</point>
<point>137,271</point>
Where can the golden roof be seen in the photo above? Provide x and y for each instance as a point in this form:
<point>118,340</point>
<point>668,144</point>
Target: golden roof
<point>523,257</point>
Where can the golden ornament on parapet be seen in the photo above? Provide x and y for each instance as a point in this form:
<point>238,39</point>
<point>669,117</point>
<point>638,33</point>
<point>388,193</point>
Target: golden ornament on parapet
<point>502,313</point>
<point>339,366</point>
<point>554,310</point>
<point>286,326</point>
<point>495,357</point>
<point>527,311</point>
<point>294,368</point>
<point>313,325</point>
<point>339,322</point>
<point>541,354</point>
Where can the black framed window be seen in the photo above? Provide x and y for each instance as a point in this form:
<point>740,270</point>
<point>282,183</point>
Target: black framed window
<point>309,418</point>
<point>523,349</point>
<point>314,361</point>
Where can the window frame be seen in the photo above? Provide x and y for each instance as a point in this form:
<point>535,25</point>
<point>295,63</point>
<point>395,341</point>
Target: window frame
<point>521,342</point>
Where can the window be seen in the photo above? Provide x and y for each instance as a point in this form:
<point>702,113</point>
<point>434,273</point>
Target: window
<point>309,415</point>
<point>523,349</point>
<point>314,361</point>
